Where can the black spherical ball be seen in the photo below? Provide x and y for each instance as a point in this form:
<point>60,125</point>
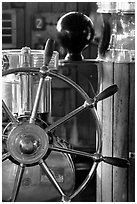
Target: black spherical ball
<point>74,32</point>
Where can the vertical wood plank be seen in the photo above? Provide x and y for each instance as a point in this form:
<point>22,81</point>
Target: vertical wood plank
<point>117,117</point>
<point>132,108</point>
<point>99,110</point>
<point>105,113</point>
<point>107,133</point>
<point>131,176</point>
<point>120,131</point>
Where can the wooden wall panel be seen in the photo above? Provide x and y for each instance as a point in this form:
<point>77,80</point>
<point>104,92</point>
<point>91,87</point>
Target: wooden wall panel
<point>117,117</point>
<point>120,131</point>
<point>132,109</point>
<point>100,113</point>
<point>131,178</point>
<point>107,119</point>
<point>106,79</point>
<point>131,170</point>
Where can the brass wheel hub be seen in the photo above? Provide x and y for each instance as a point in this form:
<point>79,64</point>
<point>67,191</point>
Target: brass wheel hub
<point>28,143</point>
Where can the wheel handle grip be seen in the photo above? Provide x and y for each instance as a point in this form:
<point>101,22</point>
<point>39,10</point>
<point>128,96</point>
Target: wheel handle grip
<point>107,92</point>
<point>49,48</point>
<point>120,162</point>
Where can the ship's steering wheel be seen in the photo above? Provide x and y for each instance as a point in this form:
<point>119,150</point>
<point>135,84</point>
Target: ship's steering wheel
<point>33,148</point>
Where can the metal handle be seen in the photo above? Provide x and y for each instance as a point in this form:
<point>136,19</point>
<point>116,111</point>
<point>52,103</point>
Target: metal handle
<point>120,162</point>
<point>43,70</point>
<point>49,47</point>
<point>107,92</point>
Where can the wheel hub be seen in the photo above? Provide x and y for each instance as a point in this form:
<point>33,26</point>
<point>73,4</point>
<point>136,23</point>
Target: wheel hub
<point>28,143</point>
